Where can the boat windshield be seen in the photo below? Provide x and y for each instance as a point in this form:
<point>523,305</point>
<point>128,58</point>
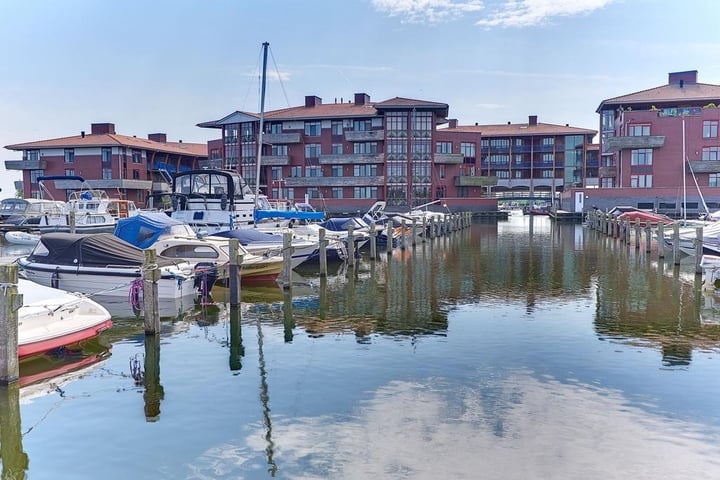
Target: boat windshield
<point>181,231</point>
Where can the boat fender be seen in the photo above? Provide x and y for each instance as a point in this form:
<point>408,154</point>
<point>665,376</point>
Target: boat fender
<point>55,278</point>
<point>223,201</point>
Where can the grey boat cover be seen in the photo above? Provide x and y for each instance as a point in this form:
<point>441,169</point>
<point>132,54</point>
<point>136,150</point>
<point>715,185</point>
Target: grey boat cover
<point>90,250</point>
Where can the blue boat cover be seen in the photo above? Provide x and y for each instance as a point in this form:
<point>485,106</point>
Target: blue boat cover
<point>340,224</point>
<point>143,229</point>
<point>290,214</point>
<point>247,236</point>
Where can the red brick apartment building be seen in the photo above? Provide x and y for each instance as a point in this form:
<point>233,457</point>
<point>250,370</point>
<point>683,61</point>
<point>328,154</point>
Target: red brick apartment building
<point>344,156</point>
<point>124,166</point>
<point>659,149</point>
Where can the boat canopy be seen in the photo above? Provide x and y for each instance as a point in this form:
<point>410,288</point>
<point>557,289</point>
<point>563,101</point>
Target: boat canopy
<point>211,184</point>
<point>90,250</point>
<point>340,224</point>
<point>289,214</point>
<point>247,236</point>
<point>144,229</point>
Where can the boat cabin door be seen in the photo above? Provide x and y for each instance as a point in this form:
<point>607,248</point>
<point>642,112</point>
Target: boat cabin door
<point>122,209</point>
<point>579,202</point>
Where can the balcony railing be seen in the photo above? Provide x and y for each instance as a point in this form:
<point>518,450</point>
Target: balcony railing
<point>281,138</point>
<point>705,166</point>
<point>25,164</point>
<point>614,144</point>
<point>352,158</point>
<point>608,171</point>
<point>449,158</point>
<point>467,181</point>
<point>275,160</point>
<point>365,136</point>
<point>334,181</point>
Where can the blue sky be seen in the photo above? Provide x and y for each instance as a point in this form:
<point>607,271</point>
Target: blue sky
<point>166,65</point>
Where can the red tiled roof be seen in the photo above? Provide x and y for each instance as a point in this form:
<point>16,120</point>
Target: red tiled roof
<point>520,129</point>
<point>671,93</point>
<point>409,102</point>
<point>113,140</point>
<point>329,110</point>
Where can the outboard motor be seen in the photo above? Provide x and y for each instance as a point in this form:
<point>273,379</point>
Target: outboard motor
<point>206,274</point>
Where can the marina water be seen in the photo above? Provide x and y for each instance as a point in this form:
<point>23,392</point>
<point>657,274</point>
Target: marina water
<point>518,349</point>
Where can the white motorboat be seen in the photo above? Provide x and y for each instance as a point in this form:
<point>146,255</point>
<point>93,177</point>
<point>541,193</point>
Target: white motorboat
<point>101,264</point>
<point>52,318</point>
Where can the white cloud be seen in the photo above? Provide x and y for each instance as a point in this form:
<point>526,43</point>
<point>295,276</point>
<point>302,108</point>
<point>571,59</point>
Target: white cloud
<point>427,11</point>
<point>526,13</point>
<point>503,13</point>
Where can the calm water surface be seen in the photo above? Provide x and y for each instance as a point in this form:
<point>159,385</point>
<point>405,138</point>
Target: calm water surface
<point>520,349</point>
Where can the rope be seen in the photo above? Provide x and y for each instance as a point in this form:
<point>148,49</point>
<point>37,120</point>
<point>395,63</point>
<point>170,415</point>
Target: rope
<point>136,289</point>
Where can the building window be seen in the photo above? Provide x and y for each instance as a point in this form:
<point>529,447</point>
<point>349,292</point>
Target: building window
<point>336,126</point>
<point>136,174</point>
<point>468,150</point>
<point>312,150</point>
<point>290,193</point>
<point>296,171</point>
<point>337,192</point>
<point>362,125</point>
<point>69,172</point>
<point>502,173</point>
<point>276,173</point>
<point>518,174</point>
<point>365,170</point>
<point>137,156</point>
<point>365,192</point>
<point>548,141</point>
<point>547,174</point>
<point>500,142</point>
<point>462,192</point>
<point>313,192</point>
<point>247,132</point>
<point>396,122</point>
<point>484,143</point>
<point>276,127</point>
<point>710,129</point>
<point>641,156</point>
<point>34,174</point>
<point>607,182</point>
<point>640,181</point>
<point>441,171</point>
<point>230,135</point>
<point>337,170</point>
<point>107,173</point>
<point>422,122</point>
<point>106,157</point>
<point>714,180</point>
<point>312,129</point>
<point>548,158</point>
<point>711,153</point>
<point>518,142</point>
<point>32,155</point>
<point>443,147</point>
<point>69,155</point>
<point>337,149</point>
<point>313,171</point>
<point>279,150</point>
<point>365,148</point>
<point>638,130</point>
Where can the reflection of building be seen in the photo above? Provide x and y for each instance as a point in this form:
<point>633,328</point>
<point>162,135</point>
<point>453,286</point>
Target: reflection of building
<point>656,143</point>
<point>123,166</point>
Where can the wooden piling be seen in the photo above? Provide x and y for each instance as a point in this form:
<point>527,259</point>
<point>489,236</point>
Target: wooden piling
<point>699,238</point>
<point>72,221</point>
<point>287,260</point>
<point>648,236</point>
<point>10,303</point>
<point>432,228</point>
<point>373,240</point>
<point>661,240</point>
<point>323,253</point>
<point>403,244</point>
<point>424,229</point>
<point>637,234</point>
<point>414,232</point>
<point>676,243</point>
<point>151,301</point>
<point>235,266</point>
<point>389,230</point>
<point>351,245</point>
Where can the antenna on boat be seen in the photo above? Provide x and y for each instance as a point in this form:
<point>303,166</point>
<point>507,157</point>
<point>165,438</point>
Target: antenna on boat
<point>265,46</point>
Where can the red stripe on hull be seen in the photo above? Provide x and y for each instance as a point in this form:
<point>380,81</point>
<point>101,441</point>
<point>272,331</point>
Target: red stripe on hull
<point>36,348</point>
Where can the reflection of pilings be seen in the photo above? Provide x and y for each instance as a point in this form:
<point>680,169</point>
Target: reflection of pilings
<point>237,351</point>
<point>265,400</point>
<point>154,392</point>
<point>288,322</point>
<point>14,460</point>
<point>323,300</point>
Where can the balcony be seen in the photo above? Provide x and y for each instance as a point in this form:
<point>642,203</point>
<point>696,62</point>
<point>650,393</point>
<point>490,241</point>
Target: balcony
<point>274,160</point>
<point>614,144</point>
<point>456,158</point>
<point>352,158</point>
<point>214,163</point>
<point>161,187</point>
<point>333,181</point>
<point>511,183</point>
<point>281,138</point>
<point>113,183</point>
<point>365,136</point>
<point>705,166</point>
<point>468,181</point>
<point>25,164</point>
<point>608,171</point>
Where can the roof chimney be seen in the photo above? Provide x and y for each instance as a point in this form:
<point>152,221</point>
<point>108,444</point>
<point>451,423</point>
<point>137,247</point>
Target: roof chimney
<point>312,101</point>
<point>362,99</point>
<point>682,78</point>
<point>532,120</point>
<point>158,137</point>
<point>102,128</point>
<point>453,123</point>
<point>82,134</point>
<point>508,123</point>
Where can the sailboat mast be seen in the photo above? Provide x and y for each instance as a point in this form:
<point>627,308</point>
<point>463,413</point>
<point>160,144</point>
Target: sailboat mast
<point>683,169</point>
<point>265,46</point>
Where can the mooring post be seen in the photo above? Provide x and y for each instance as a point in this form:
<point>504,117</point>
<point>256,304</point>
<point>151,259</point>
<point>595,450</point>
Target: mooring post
<point>15,461</point>
<point>351,245</point>
<point>414,232</point>
<point>637,234</point>
<point>373,240</point>
<point>287,260</point>
<point>151,302</point>
<point>699,239</point>
<point>432,228</point>
<point>72,220</point>
<point>661,240</point>
<point>10,303</point>
<point>154,391</point>
<point>648,236</point>
<point>628,229</point>
<point>676,243</point>
<point>403,245</point>
<point>234,273</point>
<point>424,230</point>
<point>389,232</point>
<point>323,253</point>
